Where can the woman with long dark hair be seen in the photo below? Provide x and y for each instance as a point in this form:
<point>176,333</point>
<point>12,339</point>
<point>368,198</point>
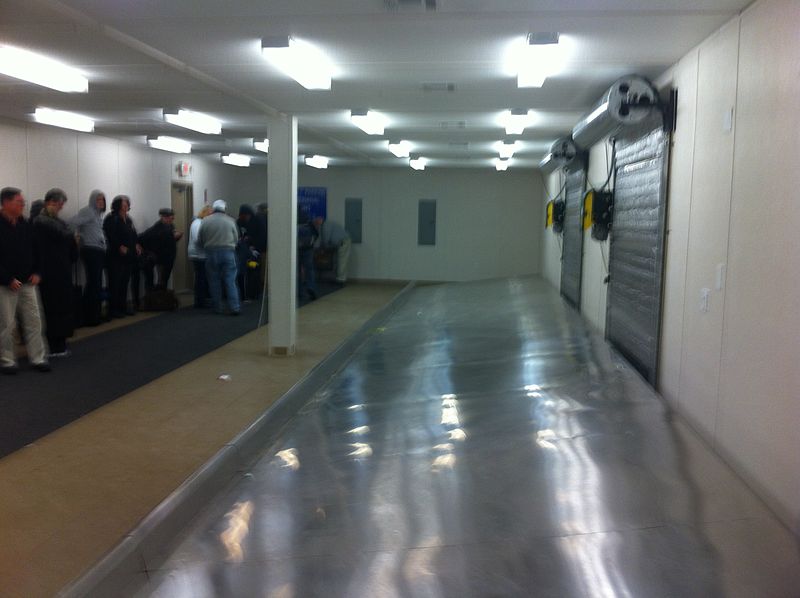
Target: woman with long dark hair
<point>58,250</point>
<point>123,252</point>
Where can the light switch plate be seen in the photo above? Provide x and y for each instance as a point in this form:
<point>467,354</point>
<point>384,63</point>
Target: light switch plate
<point>704,295</point>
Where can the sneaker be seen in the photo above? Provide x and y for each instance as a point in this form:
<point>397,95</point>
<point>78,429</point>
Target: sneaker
<point>9,370</point>
<point>41,367</point>
<point>236,313</point>
<point>64,353</point>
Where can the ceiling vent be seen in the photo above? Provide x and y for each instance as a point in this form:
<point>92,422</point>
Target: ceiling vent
<point>410,5</point>
<point>459,145</point>
<point>438,86</point>
<point>453,124</point>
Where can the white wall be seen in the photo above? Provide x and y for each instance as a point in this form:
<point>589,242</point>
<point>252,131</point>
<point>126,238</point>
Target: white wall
<point>552,241</point>
<point>488,224</point>
<point>732,370</point>
<point>36,158</point>
<point>594,288</point>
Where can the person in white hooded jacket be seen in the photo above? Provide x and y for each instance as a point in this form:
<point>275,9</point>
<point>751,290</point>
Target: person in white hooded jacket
<point>88,224</point>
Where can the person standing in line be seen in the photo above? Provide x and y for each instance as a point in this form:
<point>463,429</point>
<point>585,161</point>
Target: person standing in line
<point>198,257</point>
<point>88,224</point>
<point>218,237</point>
<point>333,235</point>
<point>244,249</point>
<point>19,277</point>
<point>160,246</point>
<point>306,240</point>
<point>259,239</point>
<point>123,253</point>
<point>58,250</point>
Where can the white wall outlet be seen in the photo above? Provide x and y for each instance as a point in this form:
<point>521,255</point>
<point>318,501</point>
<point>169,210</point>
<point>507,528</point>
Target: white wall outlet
<point>727,120</point>
<point>704,295</point>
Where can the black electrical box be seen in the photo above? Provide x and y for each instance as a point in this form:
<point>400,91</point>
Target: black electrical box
<point>602,214</point>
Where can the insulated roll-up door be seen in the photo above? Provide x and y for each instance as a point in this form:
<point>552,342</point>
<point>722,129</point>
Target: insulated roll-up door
<point>572,252</point>
<point>636,250</point>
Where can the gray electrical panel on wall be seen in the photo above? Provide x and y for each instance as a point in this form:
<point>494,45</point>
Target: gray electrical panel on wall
<point>426,225</point>
<point>352,218</point>
<point>572,252</point>
<point>636,250</point>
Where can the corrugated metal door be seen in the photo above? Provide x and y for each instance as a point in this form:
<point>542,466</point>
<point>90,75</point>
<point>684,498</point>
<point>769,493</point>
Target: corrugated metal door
<point>636,253</point>
<point>572,252</point>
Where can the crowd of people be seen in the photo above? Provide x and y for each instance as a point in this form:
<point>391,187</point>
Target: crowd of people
<point>39,255</point>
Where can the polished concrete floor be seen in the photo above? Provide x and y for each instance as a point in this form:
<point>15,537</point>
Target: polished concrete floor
<point>71,496</point>
<point>484,443</point>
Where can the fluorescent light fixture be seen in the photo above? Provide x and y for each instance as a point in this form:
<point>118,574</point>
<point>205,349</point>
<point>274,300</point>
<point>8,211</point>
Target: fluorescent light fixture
<point>532,60</point>
<point>369,121</point>
<point>237,160</point>
<point>67,120</point>
<point>196,121</point>
<point>301,61</point>
<point>262,146</point>
<point>515,121</point>
<point>170,144</point>
<point>418,163</point>
<point>501,164</point>
<point>506,149</point>
<point>401,149</point>
<point>317,161</point>
<point>38,69</point>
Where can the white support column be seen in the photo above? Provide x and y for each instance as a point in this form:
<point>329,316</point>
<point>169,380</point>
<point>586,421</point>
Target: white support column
<point>282,249</point>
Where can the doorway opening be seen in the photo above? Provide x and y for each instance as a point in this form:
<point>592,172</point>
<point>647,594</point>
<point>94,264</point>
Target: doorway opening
<point>183,206</point>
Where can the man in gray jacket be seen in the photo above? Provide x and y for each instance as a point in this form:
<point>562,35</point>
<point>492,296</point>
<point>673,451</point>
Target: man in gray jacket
<point>332,235</point>
<point>218,237</point>
<point>88,224</point>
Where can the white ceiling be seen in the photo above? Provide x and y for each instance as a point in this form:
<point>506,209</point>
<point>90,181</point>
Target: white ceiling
<point>142,56</point>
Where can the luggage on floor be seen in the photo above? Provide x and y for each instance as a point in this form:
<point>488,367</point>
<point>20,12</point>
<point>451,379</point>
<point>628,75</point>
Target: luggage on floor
<point>160,300</point>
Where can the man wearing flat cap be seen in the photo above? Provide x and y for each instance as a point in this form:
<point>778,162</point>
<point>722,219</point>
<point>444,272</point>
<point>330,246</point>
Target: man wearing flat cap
<point>159,248</point>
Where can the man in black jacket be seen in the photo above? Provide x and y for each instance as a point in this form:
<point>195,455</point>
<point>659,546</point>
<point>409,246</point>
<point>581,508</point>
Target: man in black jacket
<point>159,244</point>
<point>18,281</point>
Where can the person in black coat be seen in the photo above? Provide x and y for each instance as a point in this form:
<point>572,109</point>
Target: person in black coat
<point>58,250</point>
<point>123,253</point>
<point>159,247</point>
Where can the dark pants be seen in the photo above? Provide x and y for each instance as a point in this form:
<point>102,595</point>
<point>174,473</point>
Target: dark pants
<point>201,293</point>
<point>306,277</point>
<point>136,269</point>
<point>164,272</point>
<point>119,274</point>
<point>93,263</point>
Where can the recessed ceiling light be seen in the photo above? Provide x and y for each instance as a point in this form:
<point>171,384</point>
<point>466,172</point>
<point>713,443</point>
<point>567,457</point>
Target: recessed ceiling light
<point>38,69</point>
<point>170,144</point>
<point>506,149</point>
<point>401,149</point>
<point>516,120</point>
<point>301,61</point>
<point>237,160</point>
<point>262,146</point>
<point>196,121</point>
<point>66,120</point>
<point>532,60</point>
<point>317,161</point>
<point>501,164</point>
<point>418,163</point>
<point>369,121</point>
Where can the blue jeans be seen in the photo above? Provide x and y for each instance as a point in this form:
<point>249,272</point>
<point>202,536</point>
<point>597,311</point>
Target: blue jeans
<point>221,270</point>
<point>306,277</point>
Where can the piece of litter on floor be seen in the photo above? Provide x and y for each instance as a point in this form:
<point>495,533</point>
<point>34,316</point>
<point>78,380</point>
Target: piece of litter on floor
<point>224,377</point>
